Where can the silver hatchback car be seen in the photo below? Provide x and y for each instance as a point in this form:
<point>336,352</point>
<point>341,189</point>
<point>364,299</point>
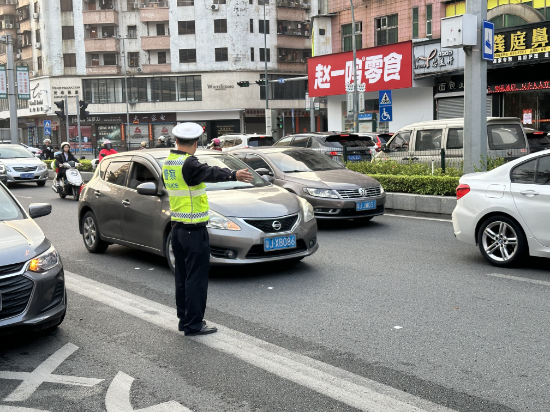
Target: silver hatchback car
<point>126,203</point>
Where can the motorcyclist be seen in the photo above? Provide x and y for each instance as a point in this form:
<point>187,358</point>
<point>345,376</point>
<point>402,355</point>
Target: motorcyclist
<point>107,149</point>
<point>216,145</point>
<point>161,143</point>
<point>143,146</point>
<point>47,150</point>
<point>62,161</point>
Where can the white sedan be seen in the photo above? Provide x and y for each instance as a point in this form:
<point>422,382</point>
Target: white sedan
<point>506,211</point>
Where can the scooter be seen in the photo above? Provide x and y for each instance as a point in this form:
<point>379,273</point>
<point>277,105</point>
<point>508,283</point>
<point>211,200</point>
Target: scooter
<point>71,185</point>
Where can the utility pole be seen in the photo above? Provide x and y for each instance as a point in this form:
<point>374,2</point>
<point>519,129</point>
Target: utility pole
<point>67,119</point>
<point>78,120</point>
<point>475,93</point>
<point>312,114</point>
<point>354,47</point>
<point>268,130</point>
<point>12,94</point>
<point>126,95</point>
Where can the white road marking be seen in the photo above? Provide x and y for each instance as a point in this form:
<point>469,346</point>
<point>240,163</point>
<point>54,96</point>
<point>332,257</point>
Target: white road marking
<point>341,385</point>
<point>24,197</point>
<point>19,409</point>
<point>536,282</point>
<point>419,217</point>
<point>118,398</point>
<point>43,373</point>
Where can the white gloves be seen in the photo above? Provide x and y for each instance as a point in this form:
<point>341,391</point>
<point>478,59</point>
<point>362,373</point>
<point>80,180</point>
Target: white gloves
<point>66,165</point>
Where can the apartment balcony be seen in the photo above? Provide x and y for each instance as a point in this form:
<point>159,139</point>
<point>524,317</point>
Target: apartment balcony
<point>22,3</point>
<point>8,9</point>
<point>26,53</point>
<point>155,42</point>
<point>109,44</point>
<point>25,26</point>
<point>154,14</point>
<point>292,67</point>
<point>293,42</point>
<point>294,4</point>
<point>291,14</point>
<point>156,68</point>
<point>102,70</point>
<point>108,16</point>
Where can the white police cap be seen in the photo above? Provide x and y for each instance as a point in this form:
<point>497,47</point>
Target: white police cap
<point>187,130</point>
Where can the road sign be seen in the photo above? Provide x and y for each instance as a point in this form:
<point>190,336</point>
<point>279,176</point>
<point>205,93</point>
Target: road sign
<point>488,40</point>
<point>386,114</point>
<point>23,83</point>
<point>361,102</point>
<point>47,127</point>
<point>350,102</point>
<point>365,116</point>
<point>384,98</point>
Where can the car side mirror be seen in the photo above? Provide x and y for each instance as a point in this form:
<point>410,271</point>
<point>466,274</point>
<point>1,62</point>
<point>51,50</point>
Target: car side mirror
<point>147,189</point>
<point>384,148</point>
<point>39,210</point>
<point>268,178</point>
<point>262,171</point>
<point>37,155</point>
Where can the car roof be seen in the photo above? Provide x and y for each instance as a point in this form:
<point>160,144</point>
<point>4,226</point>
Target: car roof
<point>12,145</point>
<point>272,149</point>
<point>459,121</point>
<point>161,152</point>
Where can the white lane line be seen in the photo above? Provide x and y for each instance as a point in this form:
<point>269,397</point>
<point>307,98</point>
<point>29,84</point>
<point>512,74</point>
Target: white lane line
<point>419,218</point>
<point>24,197</point>
<point>19,409</point>
<point>536,282</point>
<point>341,385</point>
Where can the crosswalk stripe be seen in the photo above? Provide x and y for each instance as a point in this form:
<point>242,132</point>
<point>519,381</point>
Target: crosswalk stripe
<point>339,384</point>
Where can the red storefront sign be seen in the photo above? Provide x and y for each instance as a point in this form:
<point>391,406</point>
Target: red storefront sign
<point>379,68</point>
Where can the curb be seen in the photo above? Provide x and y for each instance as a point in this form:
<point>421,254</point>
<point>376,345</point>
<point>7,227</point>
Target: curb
<point>441,205</point>
<point>86,176</point>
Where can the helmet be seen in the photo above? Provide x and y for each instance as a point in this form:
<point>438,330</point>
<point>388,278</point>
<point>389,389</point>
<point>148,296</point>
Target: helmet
<point>65,144</point>
<point>47,141</point>
<point>216,141</point>
<point>162,138</point>
<point>143,144</point>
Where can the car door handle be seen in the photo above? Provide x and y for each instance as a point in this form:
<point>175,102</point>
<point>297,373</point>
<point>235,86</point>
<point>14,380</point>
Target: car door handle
<point>97,193</point>
<point>529,193</point>
<point>410,158</point>
<point>126,202</point>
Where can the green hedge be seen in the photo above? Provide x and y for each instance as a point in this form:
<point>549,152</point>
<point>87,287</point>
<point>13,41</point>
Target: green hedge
<point>86,165</point>
<point>422,185</point>
<point>391,167</point>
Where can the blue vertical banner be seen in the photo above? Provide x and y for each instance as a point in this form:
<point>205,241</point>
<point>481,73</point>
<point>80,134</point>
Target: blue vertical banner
<point>488,40</point>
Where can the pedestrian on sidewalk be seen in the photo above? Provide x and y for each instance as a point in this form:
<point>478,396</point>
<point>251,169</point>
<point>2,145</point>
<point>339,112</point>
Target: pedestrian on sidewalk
<point>184,177</point>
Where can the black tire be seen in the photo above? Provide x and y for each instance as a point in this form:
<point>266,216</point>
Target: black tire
<point>90,234</point>
<point>76,193</point>
<point>168,253</point>
<point>40,184</point>
<point>61,192</point>
<point>499,248</point>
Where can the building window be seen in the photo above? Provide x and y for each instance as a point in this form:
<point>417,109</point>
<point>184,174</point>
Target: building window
<point>220,26</point>
<point>262,2</point>
<point>221,54</point>
<point>161,57</point>
<point>415,22</point>
<point>108,31</point>
<point>186,27</point>
<point>66,5</point>
<point>262,55</point>
<point>251,25</point>
<point>37,35</point>
<point>133,59</point>
<point>429,21</point>
<point>69,60</point>
<point>188,55</point>
<point>35,7</point>
<point>347,40</point>
<point>39,62</point>
<point>109,59</point>
<point>161,31</point>
<point>261,28</point>
<point>386,30</point>
<point>186,2</point>
<point>132,32</point>
<point>94,59</point>
<point>250,1</point>
<point>252,54</point>
<point>67,33</point>
<point>218,1</point>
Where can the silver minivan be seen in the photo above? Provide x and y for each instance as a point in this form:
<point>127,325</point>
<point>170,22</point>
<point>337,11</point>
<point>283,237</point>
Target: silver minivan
<point>422,142</point>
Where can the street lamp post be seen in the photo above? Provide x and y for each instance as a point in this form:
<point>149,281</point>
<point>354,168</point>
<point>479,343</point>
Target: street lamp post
<point>126,94</point>
<point>267,126</point>
<point>354,47</point>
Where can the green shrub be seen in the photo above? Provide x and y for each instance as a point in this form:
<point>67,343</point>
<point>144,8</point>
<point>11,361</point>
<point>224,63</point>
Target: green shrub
<point>391,167</point>
<point>422,185</point>
<point>86,165</point>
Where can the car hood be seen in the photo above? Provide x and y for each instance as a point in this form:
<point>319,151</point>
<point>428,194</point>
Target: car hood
<point>267,201</point>
<point>21,240</point>
<point>333,179</point>
<point>26,161</point>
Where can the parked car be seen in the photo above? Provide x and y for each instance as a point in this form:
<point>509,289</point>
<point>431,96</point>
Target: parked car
<point>422,142</point>
<point>34,150</point>
<point>505,211</point>
<point>334,191</point>
<point>332,144</point>
<point>537,140</point>
<point>243,140</point>
<point>3,173</point>
<point>379,139</point>
<point>32,282</point>
<point>22,166</point>
<point>125,203</point>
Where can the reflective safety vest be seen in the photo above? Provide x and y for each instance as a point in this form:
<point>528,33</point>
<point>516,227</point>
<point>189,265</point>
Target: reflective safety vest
<point>188,204</point>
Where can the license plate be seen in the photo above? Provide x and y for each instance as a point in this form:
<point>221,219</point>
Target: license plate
<point>277,243</point>
<point>366,205</point>
<point>354,158</point>
<point>26,175</point>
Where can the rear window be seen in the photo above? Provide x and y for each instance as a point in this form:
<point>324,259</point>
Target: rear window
<point>349,141</point>
<point>538,139</point>
<point>505,136</point>
<point>261,141</point>
<point>284,141</point>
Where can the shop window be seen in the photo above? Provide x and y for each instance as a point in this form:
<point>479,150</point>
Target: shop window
<point>186,27</point>
<point>221,54</point>
<point>133,59</point>
<point>252,54</point>
<point>415,22</point>
<point>347,39</point>
<point>66,5</point>
<point>161,57</point>
<point>161,30</point>
<point>429,21</point>
<point>188,55</point>
<point>262,55</point>
<point>220,26</point>
<point>386,29</point>
<point>261,26</point>
<point>67,33</point>
<point>69,60</point>
<point>132,32</point>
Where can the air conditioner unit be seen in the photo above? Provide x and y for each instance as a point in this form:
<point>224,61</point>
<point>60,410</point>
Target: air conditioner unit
<point>9,26</point>
<point>33,73</point>
<point>17,56</point>
<point>215,7</point>
<point>37,46</point>
<point>35,16</point>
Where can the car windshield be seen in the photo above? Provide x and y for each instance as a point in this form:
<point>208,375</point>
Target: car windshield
<point>294,161</point>
<point>12,152</point>
<point>349,141</point>
<point>9,210</point>
<point>257,141</point>
<point>230,163</point>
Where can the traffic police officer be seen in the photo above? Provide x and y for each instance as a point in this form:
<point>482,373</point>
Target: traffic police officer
<point>184,178</point>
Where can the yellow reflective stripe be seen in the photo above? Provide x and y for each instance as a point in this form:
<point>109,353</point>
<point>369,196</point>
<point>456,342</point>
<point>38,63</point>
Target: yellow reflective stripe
<point>192,193</point>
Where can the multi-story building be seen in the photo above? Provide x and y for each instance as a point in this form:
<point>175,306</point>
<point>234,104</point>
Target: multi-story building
<point>180,59</point>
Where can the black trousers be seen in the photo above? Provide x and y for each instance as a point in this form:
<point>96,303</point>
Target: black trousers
<point>191,248</point>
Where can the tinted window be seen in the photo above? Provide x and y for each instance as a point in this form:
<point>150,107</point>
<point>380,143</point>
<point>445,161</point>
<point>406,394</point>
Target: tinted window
<point>284,141</point>
<point>455,139</point>
<point>349,141</point>
<point>428,139</point>
<point>256,162</point>
<point>14,152</point>
<point>538,140</point>
<point>400,142</point>
<point>103,167</point>
<point>9,210</point>
<point>261,141</point>
<point>303,161</point>
<point>505,136</point>
<point>300,141</point>
<point>117,172</point>
<point>543,171</point>
<point>141,174</point>
<point>524,173</point>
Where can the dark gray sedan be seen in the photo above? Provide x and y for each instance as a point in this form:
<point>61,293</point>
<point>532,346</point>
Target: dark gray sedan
<point>334,191</point>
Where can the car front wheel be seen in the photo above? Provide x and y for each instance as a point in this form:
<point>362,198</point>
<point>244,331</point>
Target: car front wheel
<point>90,234</point>
<point>169,253</point>
<point>502,241</point>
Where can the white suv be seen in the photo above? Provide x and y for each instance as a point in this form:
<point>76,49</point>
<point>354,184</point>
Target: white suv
<point>244,141</point>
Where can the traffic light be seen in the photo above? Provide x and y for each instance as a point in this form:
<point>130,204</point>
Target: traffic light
<point>83,113</point>
<point>279,122</point>
<point>61,106</point>
<point>260,82</point>
<point>243,84</point>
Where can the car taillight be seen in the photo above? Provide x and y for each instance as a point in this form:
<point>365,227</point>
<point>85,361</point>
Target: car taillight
<point>81,187</point>
<point>462,190</point>
<point>538,132</point>
<point>333,153</point>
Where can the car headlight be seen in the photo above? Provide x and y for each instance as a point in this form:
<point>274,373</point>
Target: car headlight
<point>9,169</point>
<point>42,167</point>
<point>2,168</point>
<point>45,261</point>
<point>307,209</point>
<point>326,193</point>
<point>218,221</point>
<point>381,189</point>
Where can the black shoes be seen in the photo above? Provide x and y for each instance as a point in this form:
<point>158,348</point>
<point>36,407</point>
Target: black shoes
<point>206,330</point>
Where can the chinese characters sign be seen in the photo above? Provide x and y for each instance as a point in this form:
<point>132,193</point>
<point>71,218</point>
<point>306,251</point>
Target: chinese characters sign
<point>23,83</point>
<point>430,59</point>
<point>519,87</point>
<point>522,43</point>
<point>3,88</point>
<point>379,68</point>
